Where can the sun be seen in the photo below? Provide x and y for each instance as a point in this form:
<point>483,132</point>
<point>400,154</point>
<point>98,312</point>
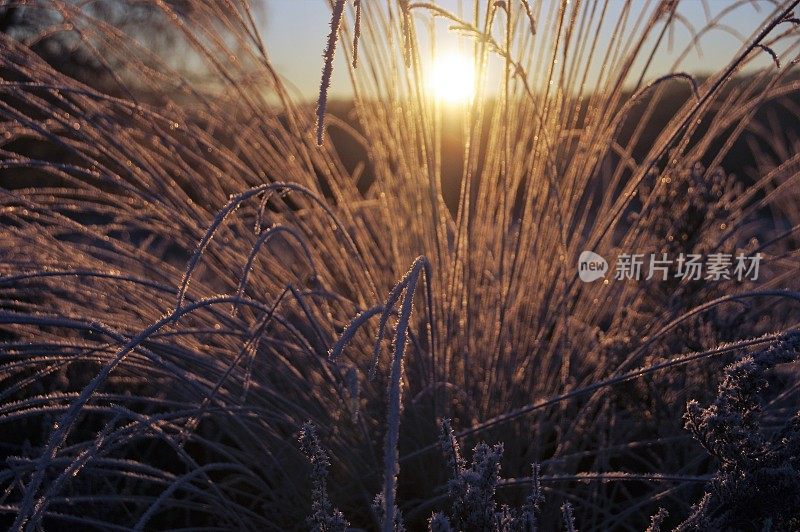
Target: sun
<point>451,78</point>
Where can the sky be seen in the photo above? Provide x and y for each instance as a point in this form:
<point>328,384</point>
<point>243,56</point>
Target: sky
<point>296,30</point>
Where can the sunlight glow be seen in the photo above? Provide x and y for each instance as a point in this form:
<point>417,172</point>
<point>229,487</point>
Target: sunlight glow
<point>451,78</point>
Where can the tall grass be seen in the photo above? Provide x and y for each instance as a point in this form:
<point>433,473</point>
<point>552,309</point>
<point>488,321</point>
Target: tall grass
<point>188,278</point>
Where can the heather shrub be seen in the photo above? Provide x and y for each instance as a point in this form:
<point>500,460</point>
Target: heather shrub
<point>324,517</point>
<point>757,485</point>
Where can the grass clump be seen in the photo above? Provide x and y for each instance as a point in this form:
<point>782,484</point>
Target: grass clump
<point>188,279</point>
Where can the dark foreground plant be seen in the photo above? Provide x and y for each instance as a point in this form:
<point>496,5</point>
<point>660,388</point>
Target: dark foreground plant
<point>757,485</point>
<point>471,491</point>
<point>324,517</point>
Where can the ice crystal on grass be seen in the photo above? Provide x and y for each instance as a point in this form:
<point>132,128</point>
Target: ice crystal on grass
<point>657,520</point>
<point>327,69</point>
<point>569,517</point>
<point>438,522</point>
<point>379,508</point>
